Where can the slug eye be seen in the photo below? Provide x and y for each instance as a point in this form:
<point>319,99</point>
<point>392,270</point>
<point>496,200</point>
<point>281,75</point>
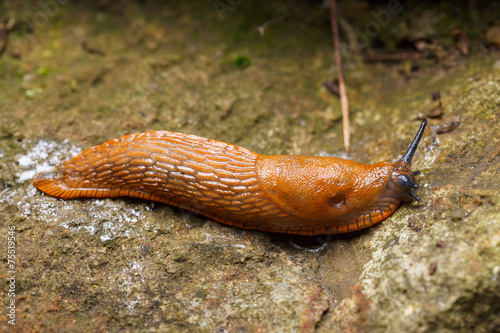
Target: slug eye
<point>337,201</point>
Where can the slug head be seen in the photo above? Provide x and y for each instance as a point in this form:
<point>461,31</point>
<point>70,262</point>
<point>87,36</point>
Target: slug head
<point>403,179</point>
<point>403,184</point>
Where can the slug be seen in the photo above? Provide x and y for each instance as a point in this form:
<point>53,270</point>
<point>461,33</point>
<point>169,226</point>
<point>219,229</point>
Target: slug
<point>295,194</point>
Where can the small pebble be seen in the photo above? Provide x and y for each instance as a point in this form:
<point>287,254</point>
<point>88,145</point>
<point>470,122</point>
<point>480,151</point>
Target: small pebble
<point>457,215</point>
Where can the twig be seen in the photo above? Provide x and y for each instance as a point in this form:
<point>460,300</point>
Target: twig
<point>262,28</point>
<point>344,103</point>
<point>4,35</point>
<point>92,50</point>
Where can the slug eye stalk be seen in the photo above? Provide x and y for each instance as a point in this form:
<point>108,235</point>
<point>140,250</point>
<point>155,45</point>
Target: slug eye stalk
<point>408,156</point>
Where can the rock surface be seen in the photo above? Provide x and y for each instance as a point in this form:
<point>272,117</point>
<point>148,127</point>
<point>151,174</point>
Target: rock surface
<point>90,74</point>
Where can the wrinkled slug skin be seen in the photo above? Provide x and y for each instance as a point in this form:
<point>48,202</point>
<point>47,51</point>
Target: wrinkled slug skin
<point>230,184</point>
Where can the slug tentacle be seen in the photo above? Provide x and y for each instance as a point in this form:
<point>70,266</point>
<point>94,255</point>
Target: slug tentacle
<point>232,185</point>
<point>412,148</point>
<point>405,182</point>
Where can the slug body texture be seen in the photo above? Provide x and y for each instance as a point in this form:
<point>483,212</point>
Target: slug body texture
<point>232,185</point>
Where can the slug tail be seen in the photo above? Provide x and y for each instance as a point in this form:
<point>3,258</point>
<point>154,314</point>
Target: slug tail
<point>50,184</point>
<point>408,156</point>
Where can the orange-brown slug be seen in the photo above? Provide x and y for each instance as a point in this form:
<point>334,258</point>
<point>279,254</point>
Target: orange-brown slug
<point>306,195</point>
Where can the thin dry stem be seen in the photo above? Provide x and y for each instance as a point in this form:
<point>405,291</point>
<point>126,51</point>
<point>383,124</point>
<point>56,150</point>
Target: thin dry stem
<point>344,103</point>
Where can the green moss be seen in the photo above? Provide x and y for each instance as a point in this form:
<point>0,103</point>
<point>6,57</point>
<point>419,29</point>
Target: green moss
<point>242,62</point>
